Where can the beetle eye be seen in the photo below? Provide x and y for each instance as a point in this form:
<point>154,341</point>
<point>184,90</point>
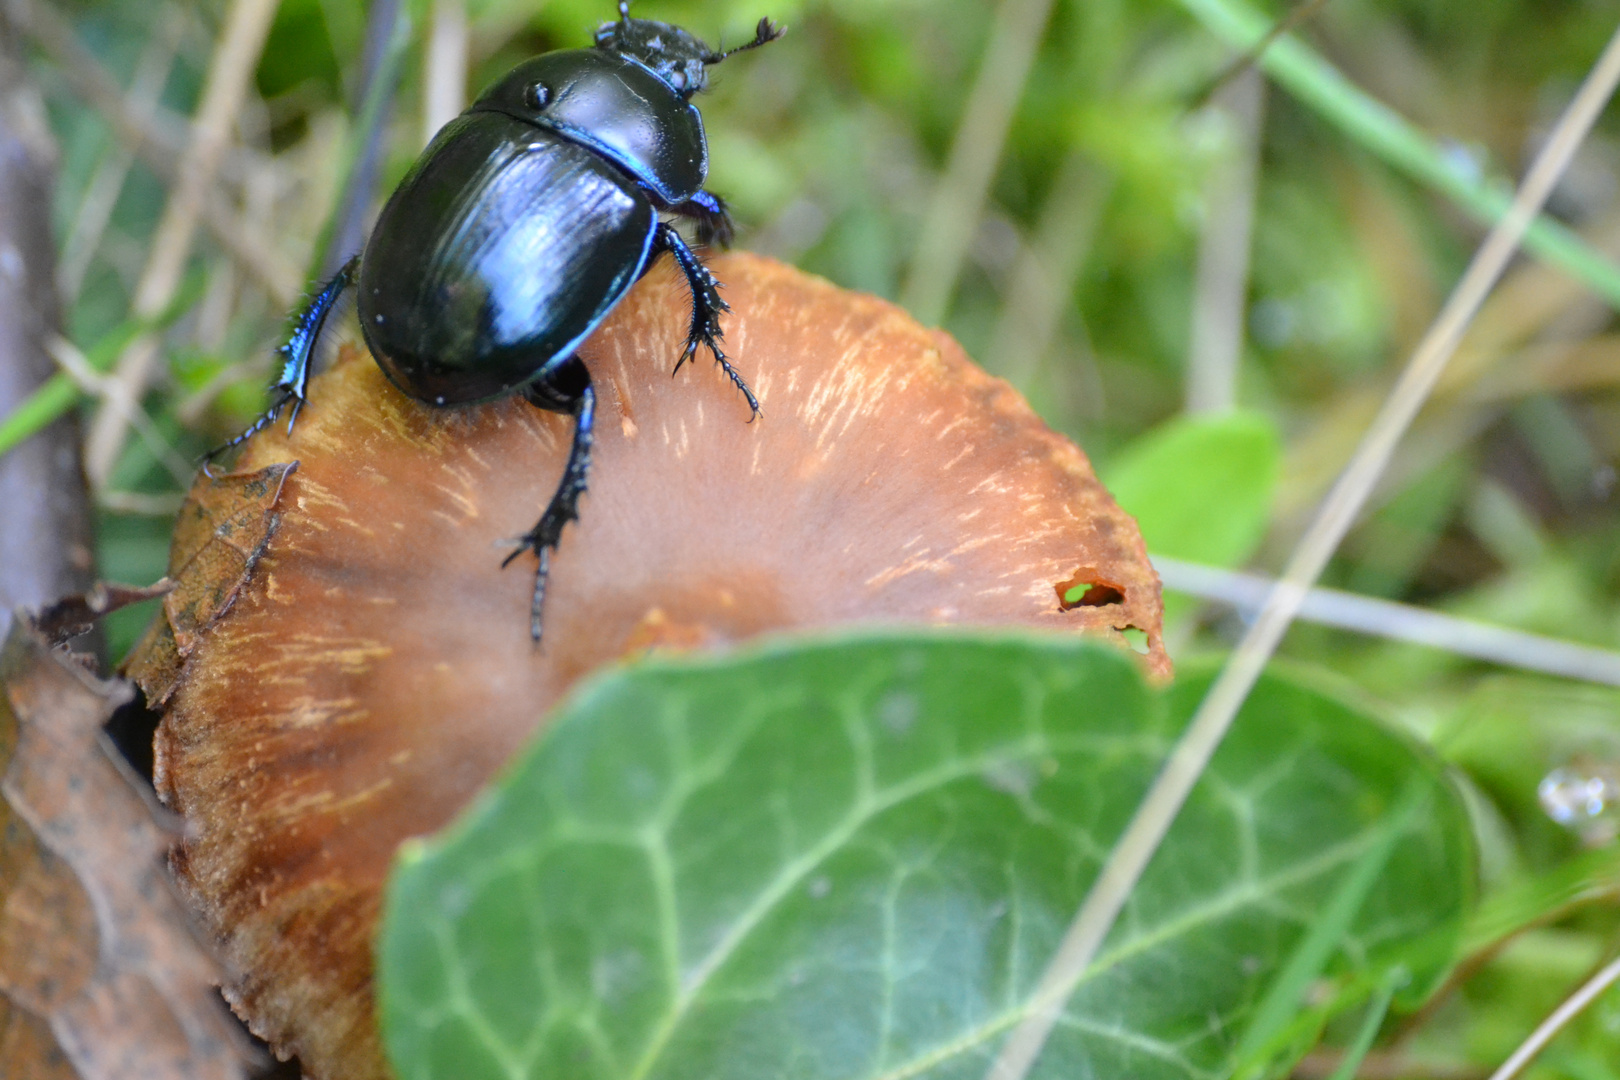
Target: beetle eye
<point>536,95</point>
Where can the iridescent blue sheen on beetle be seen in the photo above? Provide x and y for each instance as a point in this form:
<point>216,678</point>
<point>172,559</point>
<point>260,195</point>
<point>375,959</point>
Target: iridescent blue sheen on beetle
<point>522,225</point>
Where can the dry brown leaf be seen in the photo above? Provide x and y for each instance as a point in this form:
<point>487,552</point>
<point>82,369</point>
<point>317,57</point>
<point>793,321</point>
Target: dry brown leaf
<point>219,536</point>
<point>376,669</point>
<point>100,976</point>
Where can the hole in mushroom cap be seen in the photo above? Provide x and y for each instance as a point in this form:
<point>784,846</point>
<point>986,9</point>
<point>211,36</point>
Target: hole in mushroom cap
<point>1087,589</point>
<point>1136,638</point>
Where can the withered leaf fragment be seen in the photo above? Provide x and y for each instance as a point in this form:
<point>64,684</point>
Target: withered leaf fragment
<point>100,975</point>
<point>222,530</point>
<point>74,615</point>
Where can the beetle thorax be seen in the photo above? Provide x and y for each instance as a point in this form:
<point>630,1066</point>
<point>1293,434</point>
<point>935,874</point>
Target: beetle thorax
<point>678,57</point>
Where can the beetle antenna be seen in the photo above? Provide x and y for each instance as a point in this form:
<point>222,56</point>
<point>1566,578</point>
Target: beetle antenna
<point>765,33</point>
<point>624,10</point>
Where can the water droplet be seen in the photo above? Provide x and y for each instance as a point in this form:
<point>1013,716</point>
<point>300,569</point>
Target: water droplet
<point>1584,797</point>
<point>1571,796</point>
<point>1466,161</point>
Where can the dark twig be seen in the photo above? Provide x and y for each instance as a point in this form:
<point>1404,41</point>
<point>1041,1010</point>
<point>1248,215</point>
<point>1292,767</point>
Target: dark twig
<point>1294,17</point>
<point>387,35</point>
<point>45,540</point>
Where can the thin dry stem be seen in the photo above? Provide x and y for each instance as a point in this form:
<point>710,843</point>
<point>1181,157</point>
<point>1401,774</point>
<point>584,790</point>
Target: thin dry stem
<point>159,147</point>
<point>46,544</point>
<point>230,72</point>
<point>1535,306</point>
<point>1556,1022</point>
<point>444,81</point>
<point>1042,279</point>
<point>1401,622</point>
<point>87,77</point>
<point>77,367</point>
<point>101,195</point>
<point>1221,289</point>
<point>958,200</point>
<point>140,503</point>
<point>1186,763</point>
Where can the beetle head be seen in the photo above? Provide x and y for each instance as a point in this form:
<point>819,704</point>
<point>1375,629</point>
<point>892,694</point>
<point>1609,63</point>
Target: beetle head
<point>679,57</point>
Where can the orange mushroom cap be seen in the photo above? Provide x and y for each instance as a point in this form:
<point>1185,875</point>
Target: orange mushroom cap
<point>344,663</point>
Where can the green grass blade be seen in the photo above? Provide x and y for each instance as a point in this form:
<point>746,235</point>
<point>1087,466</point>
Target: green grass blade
<point>59,393</point>
<point>1587,878</point>
<point>1384,132</point>
<point>53,398</point>
<point>1372,1020</point>
<point>1310,957</point>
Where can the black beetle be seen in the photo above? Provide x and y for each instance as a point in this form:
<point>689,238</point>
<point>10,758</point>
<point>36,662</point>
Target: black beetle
<point>525,222</point>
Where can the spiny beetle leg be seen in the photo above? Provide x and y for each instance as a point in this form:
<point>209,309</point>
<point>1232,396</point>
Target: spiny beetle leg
<point>252,429</point>
<point>566,388</point>
<point>295,355</point>
<point>707,304</point>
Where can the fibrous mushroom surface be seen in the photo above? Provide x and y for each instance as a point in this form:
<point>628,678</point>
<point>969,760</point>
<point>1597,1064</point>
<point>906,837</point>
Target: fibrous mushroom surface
<point>349,664</point>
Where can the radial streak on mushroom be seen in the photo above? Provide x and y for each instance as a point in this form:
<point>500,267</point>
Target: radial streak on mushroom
<point>461,491</point>
<point>914,565</point>
<point>974,543</point>
<point>327,801</point>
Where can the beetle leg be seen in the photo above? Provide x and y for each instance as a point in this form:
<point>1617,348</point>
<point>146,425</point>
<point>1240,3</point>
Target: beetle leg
<point>707,304</point>
<point>295,355</point>
<point>566,388</point>
<point>713,219</point>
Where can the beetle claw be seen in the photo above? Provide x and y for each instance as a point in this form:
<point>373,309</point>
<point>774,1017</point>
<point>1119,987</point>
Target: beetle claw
<point>691,351</point>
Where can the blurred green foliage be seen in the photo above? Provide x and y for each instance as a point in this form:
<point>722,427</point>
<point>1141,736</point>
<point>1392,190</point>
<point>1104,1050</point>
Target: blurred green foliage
<point>1200,487</point>
<point>1500,504</point>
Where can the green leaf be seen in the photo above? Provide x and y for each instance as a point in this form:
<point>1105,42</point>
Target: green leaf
<point>1201,487</point>
<point>853,858</point>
